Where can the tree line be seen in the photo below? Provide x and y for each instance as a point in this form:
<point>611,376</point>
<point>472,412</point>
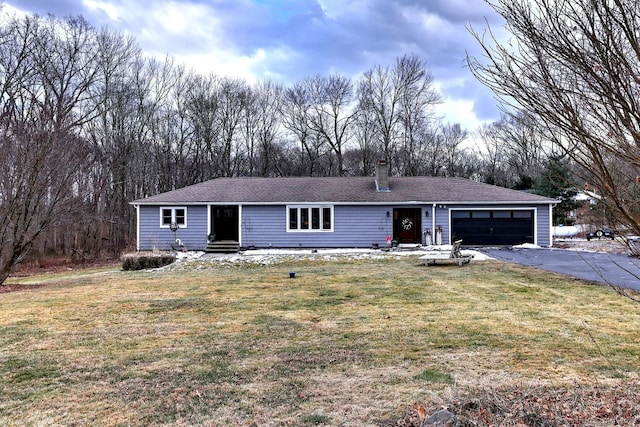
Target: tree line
<point>88,124</point>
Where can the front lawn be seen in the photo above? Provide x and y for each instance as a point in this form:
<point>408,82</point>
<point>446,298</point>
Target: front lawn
<point>346,342</point>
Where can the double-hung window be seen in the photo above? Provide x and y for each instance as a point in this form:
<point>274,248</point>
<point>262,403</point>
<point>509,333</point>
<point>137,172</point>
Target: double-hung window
<point>173,215</point>
<point>309,218</point>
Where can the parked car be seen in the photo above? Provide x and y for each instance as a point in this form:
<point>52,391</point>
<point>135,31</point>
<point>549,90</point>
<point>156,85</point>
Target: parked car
<point>600,233</point>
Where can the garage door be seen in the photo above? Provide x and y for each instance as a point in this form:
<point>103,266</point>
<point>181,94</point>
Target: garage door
<point>492,227</point>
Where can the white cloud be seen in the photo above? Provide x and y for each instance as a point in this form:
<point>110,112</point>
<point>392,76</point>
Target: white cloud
<point>12,11</point>
<point>108,9</point>
<point>176,19</point>
<point>459,111</point>
<point>290,39</point>
<point>227,63</point>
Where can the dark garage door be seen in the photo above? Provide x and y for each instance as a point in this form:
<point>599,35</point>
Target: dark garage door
<point>498,227</point>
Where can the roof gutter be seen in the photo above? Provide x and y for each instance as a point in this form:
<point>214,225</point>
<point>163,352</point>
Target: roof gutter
<point>346,203</point>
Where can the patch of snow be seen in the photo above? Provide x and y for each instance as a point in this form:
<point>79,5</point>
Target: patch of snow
<point>477,256</point>
<point>187,256</point>
<point>593,251</point>
<point>200,260</point>
<point>527,246</point>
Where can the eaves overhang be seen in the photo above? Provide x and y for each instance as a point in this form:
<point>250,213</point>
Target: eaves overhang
<point>348,203</point>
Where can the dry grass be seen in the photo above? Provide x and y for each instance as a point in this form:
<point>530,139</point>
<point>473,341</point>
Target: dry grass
<point>348,342</point>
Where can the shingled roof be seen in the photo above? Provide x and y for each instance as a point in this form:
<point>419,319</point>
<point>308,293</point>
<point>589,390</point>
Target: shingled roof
<point>341,190</point>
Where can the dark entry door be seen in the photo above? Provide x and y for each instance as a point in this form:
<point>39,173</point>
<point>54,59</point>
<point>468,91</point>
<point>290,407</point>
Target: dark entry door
<point>225,222</point>
<point>407,225</point>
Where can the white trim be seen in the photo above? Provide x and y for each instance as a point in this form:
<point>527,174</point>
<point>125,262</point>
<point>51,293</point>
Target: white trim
<point>534,209</point>
<point>173,215</point>
<point>137,227</point>
<point>240,225</point>
<point>535,226</point>
<point>433,224</point>
<point>367,203</point>
<point>551,225</point>
<point>321,207</point>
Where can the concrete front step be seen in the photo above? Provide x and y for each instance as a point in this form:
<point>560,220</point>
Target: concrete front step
<point>222,246</point>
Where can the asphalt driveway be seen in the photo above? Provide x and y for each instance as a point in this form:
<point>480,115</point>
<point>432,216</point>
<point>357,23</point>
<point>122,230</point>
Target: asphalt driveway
<point>615,269</point>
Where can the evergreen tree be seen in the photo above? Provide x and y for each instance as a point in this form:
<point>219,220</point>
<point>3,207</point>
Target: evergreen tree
<point>556,182</point>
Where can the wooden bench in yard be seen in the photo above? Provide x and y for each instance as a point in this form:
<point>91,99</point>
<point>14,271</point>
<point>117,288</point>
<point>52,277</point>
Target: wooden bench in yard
<point>454,256</point>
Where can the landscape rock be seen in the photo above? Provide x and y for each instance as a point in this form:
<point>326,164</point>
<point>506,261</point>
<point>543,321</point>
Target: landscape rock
<point>439,418</point>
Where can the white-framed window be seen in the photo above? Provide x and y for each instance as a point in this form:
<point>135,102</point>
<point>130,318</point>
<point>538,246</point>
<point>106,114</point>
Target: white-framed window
<point>173,215</point>
<point>309,218</point>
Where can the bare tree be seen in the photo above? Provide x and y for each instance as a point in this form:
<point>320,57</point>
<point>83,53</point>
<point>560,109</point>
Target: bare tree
<point>295,115</point>
<point>201,105</point>
<point>47,75</point>
<point>399,100</point>
<point>574,64</point>
<point>173,161</point>
<point>417,98</point>
<point>438,151</point>
<point>261,126</point>
<point>452,137</point>
<point>233,95</point>
<point>362,160</point>
<point>495,168</point>
<point>331,112</point>
<point>118,134</point>
<point>521,146</point>
<point>379,97</point>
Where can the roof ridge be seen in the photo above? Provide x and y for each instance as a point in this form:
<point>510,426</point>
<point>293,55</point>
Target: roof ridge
<point>332,189</point>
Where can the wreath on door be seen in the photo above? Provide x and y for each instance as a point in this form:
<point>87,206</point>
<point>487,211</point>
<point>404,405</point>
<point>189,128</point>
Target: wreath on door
<point>407,224</point>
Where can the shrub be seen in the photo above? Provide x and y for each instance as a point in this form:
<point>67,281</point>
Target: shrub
<point>141,261</point>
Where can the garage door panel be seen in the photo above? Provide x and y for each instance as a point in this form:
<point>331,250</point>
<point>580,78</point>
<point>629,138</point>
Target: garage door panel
<point>493,227</point>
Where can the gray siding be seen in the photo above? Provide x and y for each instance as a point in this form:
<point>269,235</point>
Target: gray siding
<point>153,237</point>
<point>442,220</point>
<point>354,226</point>
<point>544,226</point>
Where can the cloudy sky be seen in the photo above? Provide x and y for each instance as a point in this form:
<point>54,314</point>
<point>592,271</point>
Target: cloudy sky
<point>286,40</point>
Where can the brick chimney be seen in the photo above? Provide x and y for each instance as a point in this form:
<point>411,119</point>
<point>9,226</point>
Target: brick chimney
<point>382,176</point>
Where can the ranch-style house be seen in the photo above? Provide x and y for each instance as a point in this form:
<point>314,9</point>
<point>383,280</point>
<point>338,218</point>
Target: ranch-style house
<point>341,212</point>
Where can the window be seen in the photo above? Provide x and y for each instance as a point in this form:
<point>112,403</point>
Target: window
<point>326,218</point>
<point>304,218</point>
<point>523,214</point>
<point>170,216</point>
<point>502,214</point>
<point>460,214</point>
<point>310,218</point>
<point>315,218</point>
<point>293,219</point>
<point>480,214</point>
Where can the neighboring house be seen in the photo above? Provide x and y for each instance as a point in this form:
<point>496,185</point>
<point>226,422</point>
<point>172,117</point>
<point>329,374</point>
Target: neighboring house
<point>586,210</point>
<point>354,212</point>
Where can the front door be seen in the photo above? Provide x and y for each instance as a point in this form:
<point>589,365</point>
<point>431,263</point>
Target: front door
<point>224,222</point>
<point>407,225</point>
